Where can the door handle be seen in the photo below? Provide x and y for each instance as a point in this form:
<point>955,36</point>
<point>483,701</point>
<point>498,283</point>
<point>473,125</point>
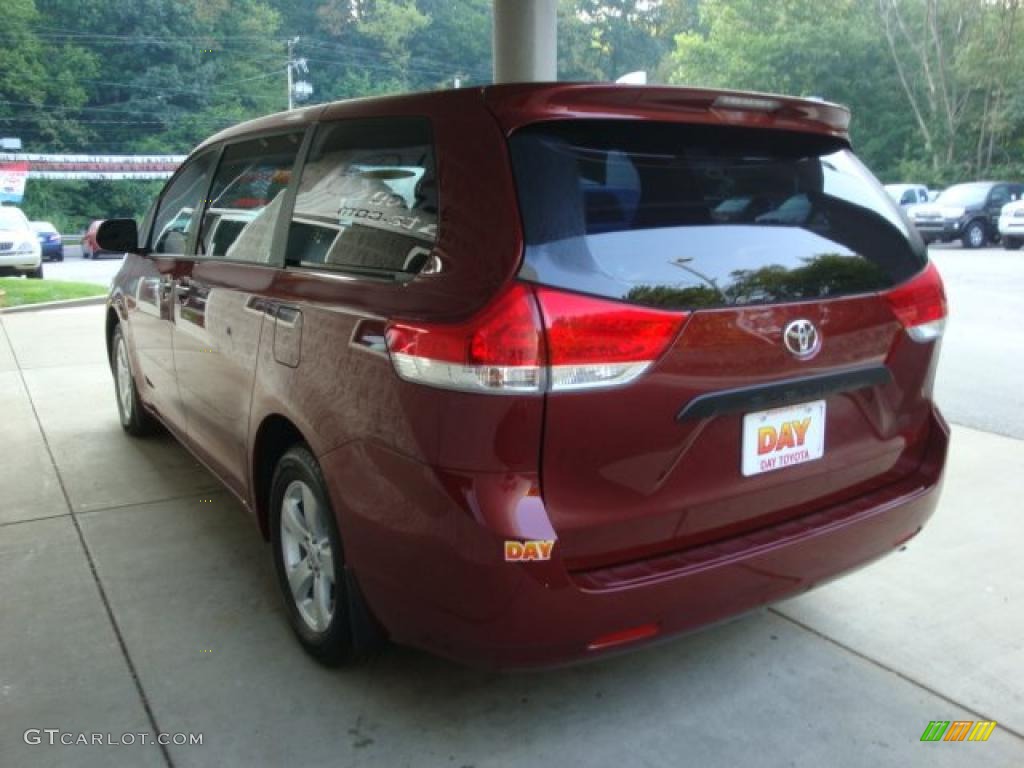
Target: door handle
<point>182,289</point>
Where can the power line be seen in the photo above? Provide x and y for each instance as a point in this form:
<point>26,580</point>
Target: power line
<point>184,92</point>
<point>354,50</point>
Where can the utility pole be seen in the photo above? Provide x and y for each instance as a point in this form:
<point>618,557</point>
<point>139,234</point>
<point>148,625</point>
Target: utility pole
<point>301,89</point>
<point>291,63</point>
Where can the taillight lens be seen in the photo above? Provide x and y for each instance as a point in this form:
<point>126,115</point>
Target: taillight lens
<point>920,305</point>
<point>570,342</point>
<point>598,343</point>
<point>499,350</point>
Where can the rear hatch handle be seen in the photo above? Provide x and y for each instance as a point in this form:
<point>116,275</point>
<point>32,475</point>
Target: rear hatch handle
<point>786,392</point>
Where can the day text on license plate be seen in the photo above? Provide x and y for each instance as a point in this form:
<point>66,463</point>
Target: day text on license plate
<point>783,437</point>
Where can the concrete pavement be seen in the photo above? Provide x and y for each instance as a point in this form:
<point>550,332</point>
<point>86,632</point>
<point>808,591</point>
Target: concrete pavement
<point>137,596</point>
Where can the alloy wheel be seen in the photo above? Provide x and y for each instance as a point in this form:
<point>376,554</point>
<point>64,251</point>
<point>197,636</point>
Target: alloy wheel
<point>307,555</point>
<point>124,381</point>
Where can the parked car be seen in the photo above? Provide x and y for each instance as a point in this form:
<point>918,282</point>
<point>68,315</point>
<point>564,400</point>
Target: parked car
<point>20,253</point>
<point>90,248</point>
<point>966,212</point>
<point>549,408</point>
<point>1011,225</point>
<point>49,240</point>
<point>908,194</point>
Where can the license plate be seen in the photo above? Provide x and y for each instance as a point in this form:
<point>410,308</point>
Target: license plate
<point>783,437</point>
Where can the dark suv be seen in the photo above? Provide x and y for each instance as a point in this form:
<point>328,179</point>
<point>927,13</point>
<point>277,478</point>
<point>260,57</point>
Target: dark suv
<point>527,373</point>
<point>965,212</point>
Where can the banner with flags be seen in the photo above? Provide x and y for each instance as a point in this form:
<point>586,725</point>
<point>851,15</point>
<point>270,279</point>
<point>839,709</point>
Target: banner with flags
<point>12,181</point>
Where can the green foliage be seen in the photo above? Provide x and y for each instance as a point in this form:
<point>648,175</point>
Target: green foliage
<point>19,291</point>
<point>794,47</point>
<point>158,76</point>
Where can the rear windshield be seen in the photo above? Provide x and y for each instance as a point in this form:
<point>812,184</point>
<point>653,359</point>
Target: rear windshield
<point>685,216</point>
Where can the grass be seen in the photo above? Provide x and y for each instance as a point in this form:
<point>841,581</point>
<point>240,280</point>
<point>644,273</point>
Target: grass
<point>21,291</point>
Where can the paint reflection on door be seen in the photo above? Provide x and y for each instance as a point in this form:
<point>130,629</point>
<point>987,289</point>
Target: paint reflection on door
<point>152,329</point>
<point>216,342</point>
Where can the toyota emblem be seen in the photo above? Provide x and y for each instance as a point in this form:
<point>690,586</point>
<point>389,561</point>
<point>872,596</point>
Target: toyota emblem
<point>802,339</point>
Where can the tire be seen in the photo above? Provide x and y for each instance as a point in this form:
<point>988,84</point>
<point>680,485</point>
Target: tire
<point>1012,243</point>
<point>135,419</point>
<point>325,609</point>
<point>974,235</point>
<point>36,274</point>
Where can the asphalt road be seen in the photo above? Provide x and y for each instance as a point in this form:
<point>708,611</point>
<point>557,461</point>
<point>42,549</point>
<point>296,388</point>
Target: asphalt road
<point>980,381</point>
<point>77,269</point>
<point>981,375</point>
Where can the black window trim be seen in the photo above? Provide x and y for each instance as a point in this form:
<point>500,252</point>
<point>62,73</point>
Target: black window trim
<point>190,161</point>
<point>353,272</point>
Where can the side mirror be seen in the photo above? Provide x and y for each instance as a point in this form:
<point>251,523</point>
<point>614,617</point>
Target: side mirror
<point>118,236</point>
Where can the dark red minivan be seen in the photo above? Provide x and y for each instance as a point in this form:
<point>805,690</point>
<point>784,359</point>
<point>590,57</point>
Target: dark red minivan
<point>522,374</point>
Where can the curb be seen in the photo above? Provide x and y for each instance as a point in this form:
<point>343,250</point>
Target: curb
<point>44,305</point>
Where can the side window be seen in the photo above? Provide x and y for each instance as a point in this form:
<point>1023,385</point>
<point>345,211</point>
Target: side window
<point>910,196</point>
<point>367,200</point>
<point>246,197</point>
<point>176,218</point>
<point>1000,196</point>
<point>922,195</point>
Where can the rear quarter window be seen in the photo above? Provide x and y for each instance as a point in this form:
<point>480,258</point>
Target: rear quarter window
<point>367,200</point>
<point>683,216</point>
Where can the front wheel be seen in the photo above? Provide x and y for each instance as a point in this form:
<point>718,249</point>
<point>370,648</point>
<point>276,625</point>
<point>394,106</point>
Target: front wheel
<point>974,235</point>
<point>36,274</point>
<point>135,419</point>
<point>1012,243</point>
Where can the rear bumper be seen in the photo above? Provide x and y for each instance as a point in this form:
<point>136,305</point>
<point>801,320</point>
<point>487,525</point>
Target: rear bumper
<point>436,578</point>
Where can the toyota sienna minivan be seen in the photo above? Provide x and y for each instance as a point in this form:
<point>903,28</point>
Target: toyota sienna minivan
<point>497,379</point>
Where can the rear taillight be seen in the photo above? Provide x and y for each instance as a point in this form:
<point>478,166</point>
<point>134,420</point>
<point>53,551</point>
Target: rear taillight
<point>500,350</point>
<point>597,343</point>
<point>526,342</point>
<point>920,305</point>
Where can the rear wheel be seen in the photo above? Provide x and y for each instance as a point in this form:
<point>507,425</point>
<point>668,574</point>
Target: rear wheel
<point>37,273</point>
<point>1012,243</point>
<point>323,604</point>
<point>135,419</point>
<point>974,235</point>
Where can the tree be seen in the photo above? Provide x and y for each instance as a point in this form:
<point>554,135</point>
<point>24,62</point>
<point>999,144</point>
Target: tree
<point>792,47</point>
<point>955,60</point>
<point>605,39</point>
<point>40,82</point>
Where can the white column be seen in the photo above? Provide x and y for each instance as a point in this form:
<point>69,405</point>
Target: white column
<point>525,43</point>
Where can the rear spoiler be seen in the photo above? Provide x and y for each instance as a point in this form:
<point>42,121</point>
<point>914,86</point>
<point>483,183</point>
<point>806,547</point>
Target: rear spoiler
<point>516,105</point>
